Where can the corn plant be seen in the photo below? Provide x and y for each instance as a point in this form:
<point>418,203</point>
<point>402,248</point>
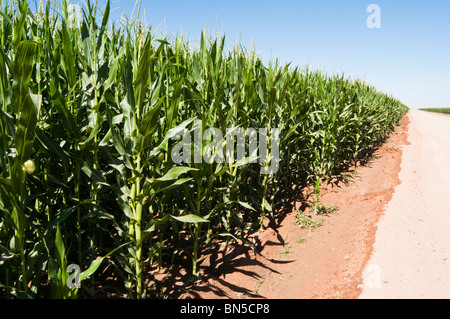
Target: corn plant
<point>93,116</point>
<point>19,116</point>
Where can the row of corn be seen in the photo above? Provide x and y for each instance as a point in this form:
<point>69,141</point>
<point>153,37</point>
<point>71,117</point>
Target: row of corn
<point>444,110</point>
<point>90,113</point>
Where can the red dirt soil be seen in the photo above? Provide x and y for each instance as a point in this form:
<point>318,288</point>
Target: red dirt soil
<point>325,263</point>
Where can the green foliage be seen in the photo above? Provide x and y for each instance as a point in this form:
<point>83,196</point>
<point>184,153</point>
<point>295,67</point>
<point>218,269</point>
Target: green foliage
<point>444,110</point>
<point>97,110</point>
<point>305,221</point>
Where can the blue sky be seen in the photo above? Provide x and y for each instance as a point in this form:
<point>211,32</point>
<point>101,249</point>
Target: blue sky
<point>408,57</point>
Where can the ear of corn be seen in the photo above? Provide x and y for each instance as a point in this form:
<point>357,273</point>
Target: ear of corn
<point>91,115</point>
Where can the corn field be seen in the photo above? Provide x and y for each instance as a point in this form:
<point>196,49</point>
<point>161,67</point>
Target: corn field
<point>444,110</point>
<point>90,113</point>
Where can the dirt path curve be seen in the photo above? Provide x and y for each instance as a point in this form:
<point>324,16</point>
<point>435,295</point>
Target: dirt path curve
<point>411,254</point>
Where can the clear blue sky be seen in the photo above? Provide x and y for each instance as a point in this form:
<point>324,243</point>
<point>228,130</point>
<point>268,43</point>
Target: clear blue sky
<point>409,57</point>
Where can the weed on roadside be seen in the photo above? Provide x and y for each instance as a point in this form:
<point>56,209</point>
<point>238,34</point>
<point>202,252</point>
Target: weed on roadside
<point>306,221</point>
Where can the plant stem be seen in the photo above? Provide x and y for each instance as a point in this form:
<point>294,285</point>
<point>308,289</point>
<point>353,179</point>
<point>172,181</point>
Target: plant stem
<point>138,233</point>
<point>77,195</point>
<point>195,236</point>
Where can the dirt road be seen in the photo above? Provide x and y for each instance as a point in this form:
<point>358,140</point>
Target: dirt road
<point>411,255</point>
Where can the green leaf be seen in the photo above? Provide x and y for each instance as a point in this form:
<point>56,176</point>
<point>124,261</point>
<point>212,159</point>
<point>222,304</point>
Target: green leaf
<point>104,22</point>
<point>23,66</point>
<point>176,131</point>
<point>19,26</point>
<point>190,218</point>
<point>151,225</point>
<point>94,132</point>
<point>67,118</point>
<point>142,75</point>
<point>174,172</point>
<point>118,143</point>
<point>37,101</point>
<point>227,235</point>
<point>6,184</point>
<point>61,216</point>
<point>177,183</point>
<point>59,243</point>
<point>267,206</point>
<point>148,125</point>
<point>6,18</point>
<point>93,174</point>
<point>97,262</point>
<point>245,161</point>
<point>25,133</point>
<point>52,146</point>
<point>92,268</point>
<point>246,206</point>
<point>129,117</point>
<point>112,73</point>
<point>4,250</point>
<point>67,61</point>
